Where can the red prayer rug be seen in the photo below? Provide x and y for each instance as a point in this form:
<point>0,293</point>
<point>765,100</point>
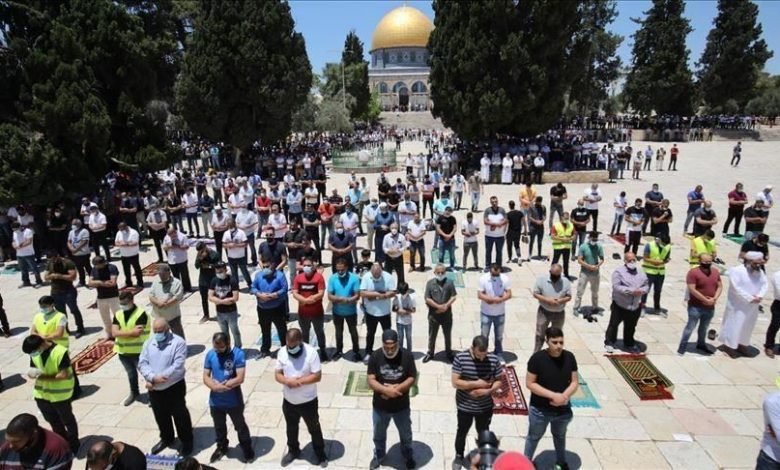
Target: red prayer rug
<point>642,376</point>
<point>619,237</point>
<point>150,270</point>
<point>509,399</point>
<point>94,356</point>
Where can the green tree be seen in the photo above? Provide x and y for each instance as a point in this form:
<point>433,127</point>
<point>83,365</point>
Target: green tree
<point>245,72</point>
<point>353,49</point>
<point>304,118</point>
<point>501,65</point>
<point>734,56</point>
<point>596,53</point>
<point>659,78</point>
<point>332,117</point>
<point>347,81</point>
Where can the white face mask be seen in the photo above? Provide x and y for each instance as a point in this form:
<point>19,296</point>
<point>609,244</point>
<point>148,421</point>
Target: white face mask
<point>631,265</point>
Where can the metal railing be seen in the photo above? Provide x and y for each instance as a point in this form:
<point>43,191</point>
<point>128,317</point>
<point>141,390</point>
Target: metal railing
<point>366,158</point>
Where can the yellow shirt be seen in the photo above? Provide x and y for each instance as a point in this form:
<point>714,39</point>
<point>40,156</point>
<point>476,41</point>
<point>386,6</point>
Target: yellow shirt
<point>527,197</point>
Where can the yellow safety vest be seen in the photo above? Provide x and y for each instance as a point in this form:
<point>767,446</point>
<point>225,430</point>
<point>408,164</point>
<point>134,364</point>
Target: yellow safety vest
<point>700,246</point>
<point>564,232</point>
<point>53,390</point>
<point>46,327</point>
<point>658,255</point>
<point>130,344</point>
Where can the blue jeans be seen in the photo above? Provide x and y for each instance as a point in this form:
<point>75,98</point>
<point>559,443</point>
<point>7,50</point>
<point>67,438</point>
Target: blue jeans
<point>498,329</point>
<point>229,320</point>
<point>699,315</point>
<point>404,332</point>
<point>130,363</point>
<point>498,242</point>
<point>28,265</point>
<point>765,462</point>
<point>449,246</point>
<point>403,423</point>
<point>537,426</point>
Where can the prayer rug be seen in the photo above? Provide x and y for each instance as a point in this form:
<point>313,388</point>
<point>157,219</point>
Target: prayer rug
<point>134,290</point>
<point>357,385</point>
<point>738,239</point>
<point>12,268</point>
<point>161,462</point>
<point>94,356</point>
<point>456,277</point>
<point>150,270</point>
<point>435,258</point>
<point>583,397</point>
<point>619,237</point>
<point>642,376</point>
<point>509,399</point>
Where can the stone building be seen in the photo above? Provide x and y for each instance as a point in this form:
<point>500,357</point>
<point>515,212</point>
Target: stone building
<point>399,69</point>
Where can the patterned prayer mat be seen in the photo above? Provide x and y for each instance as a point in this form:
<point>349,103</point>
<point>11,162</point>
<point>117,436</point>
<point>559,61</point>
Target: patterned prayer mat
<point>642,376</point>
<point>509,399</point>
<point>738,239</point>
<point>357,385</point>
<point>94,356</point>
<point>456,277</point>
<point>619,237</point>
<point>583,397</point>
<point>134,290</point>
<point>150,270</point>
<point>161,462</point>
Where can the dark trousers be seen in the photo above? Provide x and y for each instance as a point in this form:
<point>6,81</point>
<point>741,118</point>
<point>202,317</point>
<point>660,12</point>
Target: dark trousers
<point>512,242</point>
<point>69,298</point>
<point>318,323</point>
<point>130,363</point>
<point>490,242</point>
<point>371,323</point>
<point>250,243</point>
<point>427,202</point>
<point>481,421</point>
<point>379,237</point>
<point>629,318</point>
<point>338,322</point>
<point>59,242</point>
<point>218,242</point>
<point>672,163</point>
<point>632,241</point>
<point>193,218</point>
<point>267,316</point>
<point>417,247</point>
<point>100,239</point>
<point>60,416</point>
<point>181,272</point>
<point>310,414</point>
<point>537,235</point>
<point>170,407</point>
<point>735,214</point>
<point>562,253</point>
<point>594,216</point>
<point>657,284</point>
<point>736,158</point>
<point>127,262</point>
<point>157,237</point>
<point>443,320</point>
<point>203,290</point>
<point>82,267</point>
<point>239,265</point>
<point>4,318</point>
<point>395,264</point>
<point>236,414</point>
<point>774,325</point>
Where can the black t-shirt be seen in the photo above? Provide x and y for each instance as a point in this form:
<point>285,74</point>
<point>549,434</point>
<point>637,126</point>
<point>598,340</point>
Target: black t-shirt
<point>223,289</point>
<point>59,286</point>
<point>752,212</point>
<point>656,196</point>
<point>131,458</point>
<point>105,275</point>
<point>59,223</point>
<point>446,223</point>
<point>515,221</point>
<point>311,216</point>
<point>272,251</point>
<point>391,371</point>
<point>64,363</point>
<point>556,191</point>
<point>538,213</point>
<point>750,245</point>
<point>704,215</point>
<point>552,373</point>
<point>341,240</point>
<point>294,237</point>
<point>579,214</point>
<point>659,212</point>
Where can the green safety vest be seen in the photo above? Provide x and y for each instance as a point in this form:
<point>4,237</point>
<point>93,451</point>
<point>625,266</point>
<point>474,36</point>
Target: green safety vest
<point>701,246</point>
<point>53,390</point>
<point>46,327</point>
<point>656,254</point>
<point>565,232</point>
<point>130,344</point>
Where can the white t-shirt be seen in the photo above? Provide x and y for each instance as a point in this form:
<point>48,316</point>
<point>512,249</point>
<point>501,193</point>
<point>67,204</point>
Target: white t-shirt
<point>21,236</point>
<point>469,228</point>
<point>294,367</point>
<point>310,195</point>
<point>414,229</point>
<point>350,222</point>
<point>130,237</point>
<point>247,222</point>
<point>152,217</point>
<point>406,212</point>
<point>219,224</point>
<point>279,223</point>
<point>621,202</point>
<point>235,201</point>
<point>176,256</point>
<point>97,219</point>
<point>767,199</point>
<point>235,237</point>
<point>594,194</point>
<point>188,199</point>
<point>495,287</point>
<point>494,219</point>
<point>409,303</point>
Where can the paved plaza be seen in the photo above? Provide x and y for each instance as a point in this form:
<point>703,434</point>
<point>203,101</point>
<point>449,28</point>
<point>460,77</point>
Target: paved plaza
<point>714,421</point>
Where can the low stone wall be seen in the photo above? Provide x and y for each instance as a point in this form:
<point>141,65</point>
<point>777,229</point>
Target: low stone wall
<point>593,176</point>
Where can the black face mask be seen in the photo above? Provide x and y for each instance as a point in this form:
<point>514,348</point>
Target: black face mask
<point>555,277</point>
<point>705,266</point>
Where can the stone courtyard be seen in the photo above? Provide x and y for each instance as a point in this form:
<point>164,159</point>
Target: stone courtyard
<point>714,421</point>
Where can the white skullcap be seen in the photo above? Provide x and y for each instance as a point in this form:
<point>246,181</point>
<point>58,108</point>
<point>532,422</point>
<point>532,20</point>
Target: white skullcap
<point>754,256</point>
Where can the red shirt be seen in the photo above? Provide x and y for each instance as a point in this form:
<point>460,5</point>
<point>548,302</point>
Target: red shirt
<point>673,152</point>
<point>737,196</point>
<point>307,287</point>
<point>263,202</point>
<point>706,285</point>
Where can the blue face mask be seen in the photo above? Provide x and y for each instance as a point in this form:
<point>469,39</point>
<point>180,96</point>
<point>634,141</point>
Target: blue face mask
<point>35,354</point>
<point>344,274</point>
<point>46,310</point>
<point>267,272</point>
<point>294,351</point>
<point>160,337</point>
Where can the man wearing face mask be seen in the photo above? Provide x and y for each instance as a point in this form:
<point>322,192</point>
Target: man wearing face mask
<point>107,455</point>
<point>205,260</point>
<point>654,262</point>
<point>54,386</point>
<point>166,295</point>
<point>299,370</point>
<point>157,220</point>
<point>176,245</point>
<point>28,445</point>
<point>295,204</point>
<point>495,222</point>
<point>246,221</point>
<point>78,246</point>
<point>439,296</point>
<point>629,284</point>
<point>220,223</point>
<point>235,242</point>
<point>344,293</point>
<point>552,292</point>
<point>393,247</point>
<point>377,289</point>
<point>162,366</point>
<point>22,242</point>
<point>384,219</point>
<point>61,272</point>
<point>369,213</point>
<point>562,241</point>
<point>704,219</point>
<point>635,216</point>
<point>391,374</point>
<point>223,293</point>
<point>223,373</point>
<point>130,328</point>
<point>128,241</point>
<point>704,288</point>
<point>350,222</point>
<point>495,289</point>
<point>270,289</point>
<point>415,234</point>
<point>309,289</point>
<point>590,258</point>
<point>747,288</point>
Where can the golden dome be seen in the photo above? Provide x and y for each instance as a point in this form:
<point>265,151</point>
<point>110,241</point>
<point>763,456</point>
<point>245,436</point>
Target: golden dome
<point>404,26</point>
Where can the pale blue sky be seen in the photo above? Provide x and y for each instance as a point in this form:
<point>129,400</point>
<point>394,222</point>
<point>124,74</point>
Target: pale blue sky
<point>325,24</point>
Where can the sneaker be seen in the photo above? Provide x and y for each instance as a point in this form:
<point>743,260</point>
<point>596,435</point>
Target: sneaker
<point>322,461</point>
<point>427,357</point>
<point>366,358</point>
<point>289,457</point>
<point>336,356</point>
<point>218,454</point>
<point>130,399</point>
<point>375,463</point>
<point>634,349</point>
<point>79,334</point>
<point>460,462</point>
<point>609,348</point>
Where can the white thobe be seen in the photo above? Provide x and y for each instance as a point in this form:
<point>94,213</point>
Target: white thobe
<point>741,315</point>
<point>506,170</point>
<point>484,169</point>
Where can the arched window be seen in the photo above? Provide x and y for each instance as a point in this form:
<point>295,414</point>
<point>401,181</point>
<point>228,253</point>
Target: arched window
<point>397,87</point>
<point>382,87</point>
<point>419,87</point>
